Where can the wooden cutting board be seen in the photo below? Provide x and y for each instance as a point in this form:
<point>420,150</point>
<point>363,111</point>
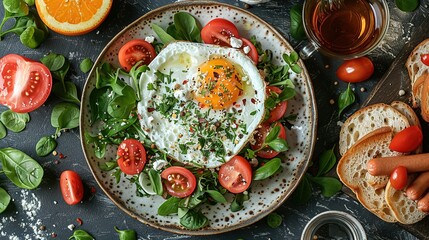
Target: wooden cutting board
<point>387,90</point>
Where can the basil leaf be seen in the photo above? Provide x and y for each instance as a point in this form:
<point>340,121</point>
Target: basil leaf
<point>163,35</point>
<point>303,192</point>
<point>326,162</point>
<point>81,235</point>
<point>45,146</point>
<point>217,196</point>
<point>329,185</point>
<point>296,25</point>
<point>20,168</point>
<point>126,234</point>
<point>274,220</point>
<point>279,145</point>
<point>187,27</point>
<point>109,165</point>
<point>86,65</point>
<point>170,206</point>
<point>273,134</point>
<point>4,199</point>
<point>194,220</point>
<point>155,179</point>
<point>53,61</point>
<point>3,131</point>
<point>66,92</point>
<point>346,99</point>
<point>237,203</point>
<point>267,170</point>
<point>407,5</point>
<point>13,121</point>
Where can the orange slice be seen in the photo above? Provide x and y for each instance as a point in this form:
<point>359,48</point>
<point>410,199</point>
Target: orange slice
<point>73,17</point>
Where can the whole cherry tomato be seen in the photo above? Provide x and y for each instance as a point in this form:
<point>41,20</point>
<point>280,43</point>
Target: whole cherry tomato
<point>425,59</point>
<point>407,140</point>
<point>399,178</point>
<point>356,70</point>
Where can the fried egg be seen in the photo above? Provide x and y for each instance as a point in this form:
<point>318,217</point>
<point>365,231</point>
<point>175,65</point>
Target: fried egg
<point>200,103</point>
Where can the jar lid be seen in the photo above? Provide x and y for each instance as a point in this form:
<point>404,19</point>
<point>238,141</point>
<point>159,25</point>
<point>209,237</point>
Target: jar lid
<point>334,225</point>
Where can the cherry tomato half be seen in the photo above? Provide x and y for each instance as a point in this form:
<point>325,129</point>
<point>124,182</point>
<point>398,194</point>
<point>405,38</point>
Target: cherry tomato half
<point>134,51</point>
<point>132,156</point>
<point>24,84</point>
<point>260,135</point>
<point>253,53</point>
<point>235,175</point>
<point>425,59</point>
<point>356,70</point>
<point>179,181</point>
<point>219,31</point>
<point>399,178</point>
<point>71,187</point>
<point>280,110</point>
<point>407,140</point>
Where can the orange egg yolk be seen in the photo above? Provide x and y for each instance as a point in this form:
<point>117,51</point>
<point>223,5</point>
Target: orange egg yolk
<point>219,84</point>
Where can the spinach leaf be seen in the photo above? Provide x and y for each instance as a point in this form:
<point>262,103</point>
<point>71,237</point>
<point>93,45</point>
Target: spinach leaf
<point>194,220</point>
<point>32,37</point>
<point>163,35</point>
<point>217,196</point>
<point>122,105</point>
<point>329,185</point>
<point>346,99</point>
<point>407,5</point>
<point>170,206</point>
<point>326,162</point>
<point>187,26</point>
<point>21,169</point>
<point>3,131</point>
<point>237,203</point>
<point>66,92</point>
<point>99,100</point>
<point>274,220</point>
<point>126,234</point>
<point>53,61</point>
<point>81,235</point>
<point>99,144</point>
<point>86,65</point>
<point>4,199</point>
<point>13,121</point>
<point>155,180</point>
<point>65,116</point>
<point>269,169</point>
<point>296,25</point>
<point>45,146</point>
<point>109,165</point>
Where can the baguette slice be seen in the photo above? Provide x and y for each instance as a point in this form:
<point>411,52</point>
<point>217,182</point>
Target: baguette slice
<point>416,69</point>
<point>404,209</point>
<point>351,170</point>
<point>369,119</point>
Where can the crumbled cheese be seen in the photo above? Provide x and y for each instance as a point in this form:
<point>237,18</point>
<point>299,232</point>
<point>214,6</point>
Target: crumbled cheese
<point>236,43</point>
<point>149,39</point>
<point>159,164</point>
<point>150,119</point>
<point>401,92</point>
<point>71,227</point>
<point>246,49</point>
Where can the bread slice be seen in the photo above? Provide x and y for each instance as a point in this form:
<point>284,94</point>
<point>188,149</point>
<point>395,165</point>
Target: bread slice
<point>351,170</point>
<point>404,209</point>
<point>369,119</point>
<point>416,69</point>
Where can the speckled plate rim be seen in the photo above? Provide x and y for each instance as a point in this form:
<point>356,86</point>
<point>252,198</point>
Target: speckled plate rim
<point>301,169</point>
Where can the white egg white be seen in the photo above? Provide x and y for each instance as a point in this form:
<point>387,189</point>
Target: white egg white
<point>177,124</point>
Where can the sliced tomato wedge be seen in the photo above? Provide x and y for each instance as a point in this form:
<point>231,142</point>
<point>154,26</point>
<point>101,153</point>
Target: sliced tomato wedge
<point>235,175</point>
<point>179,181</point>
<point>24,84</point>
<point>219,31</point>
<point>71,187</point>
<point>132,156</point>
<point>260,135</point>
<point>252,52</point>
<point>279,111</point>
<point>134,51</point>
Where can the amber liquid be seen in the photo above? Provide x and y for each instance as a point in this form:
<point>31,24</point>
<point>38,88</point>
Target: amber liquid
<point>352,28</point>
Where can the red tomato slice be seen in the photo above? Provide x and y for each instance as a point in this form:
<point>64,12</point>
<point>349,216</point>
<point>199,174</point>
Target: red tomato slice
<point>425,59</point>
<point>253,53</point>
<point>399,178</point>
<point>407,140</point>
<point>24,84</point>
<point>280,110</point>
<point>356,70</point>
<point>132,156</point>
<point>235,175</point>
<point>71,187</point>
<point>134,51</point>
<point>260,135</point>
<point>179,181</point>
<point>219,31</point>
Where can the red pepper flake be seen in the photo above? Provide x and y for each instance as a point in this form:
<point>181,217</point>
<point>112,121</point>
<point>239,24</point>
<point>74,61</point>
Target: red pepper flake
<point>61,156</point>
<point>244,101</point>
<point>93,190</point>
<point>150,109</point>
<point>53,235</point>
<point>79,221</point>
<point>185,82</point>
<point>253,100</point>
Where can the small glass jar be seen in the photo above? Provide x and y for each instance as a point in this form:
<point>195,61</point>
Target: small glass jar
<point>334,225</point>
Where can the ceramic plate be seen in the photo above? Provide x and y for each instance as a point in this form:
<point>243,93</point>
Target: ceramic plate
<point>266,195</point>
